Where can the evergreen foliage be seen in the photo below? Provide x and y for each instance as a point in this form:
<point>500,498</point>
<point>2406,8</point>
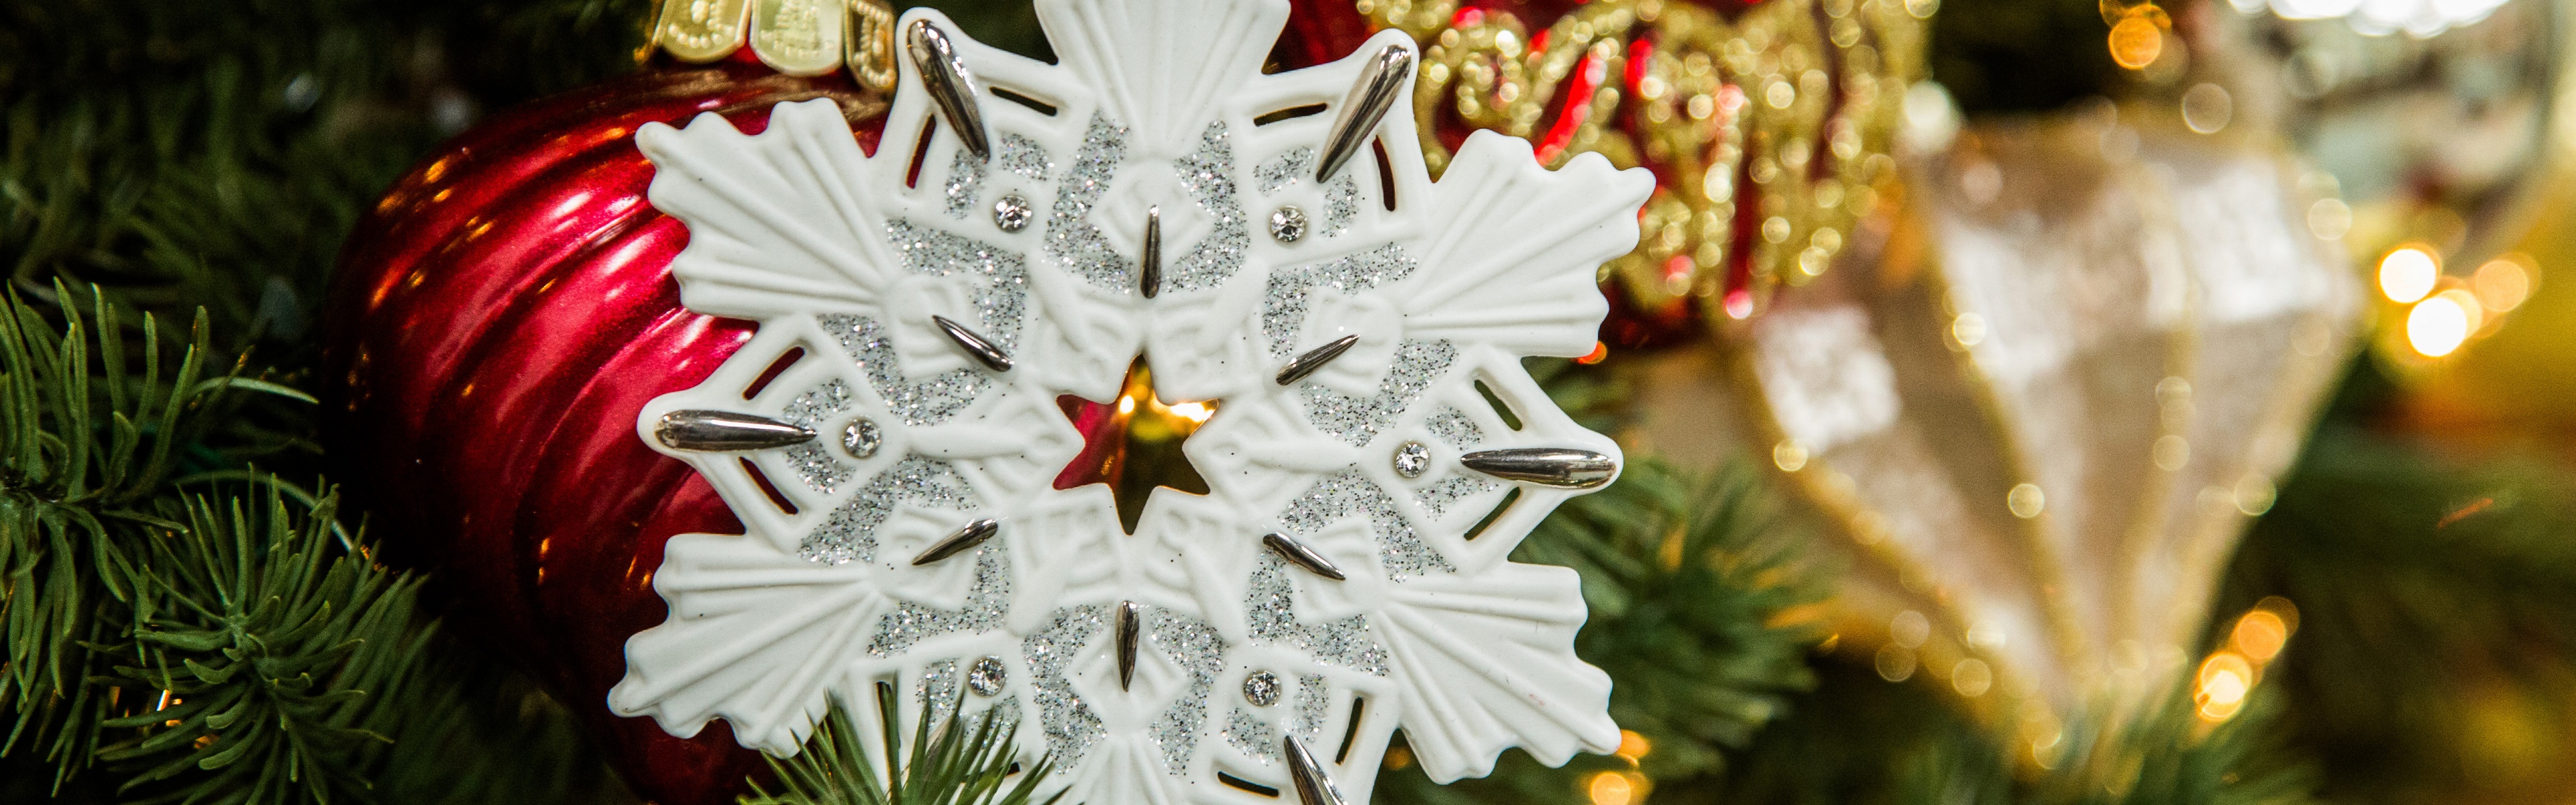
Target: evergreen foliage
<point>965,762</point>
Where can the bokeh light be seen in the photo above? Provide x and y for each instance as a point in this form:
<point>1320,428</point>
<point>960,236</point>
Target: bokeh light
<point>2436,327</point>
<point>1611,788</point>
<point>2502,284</point>
<point>2137,40</point>
<point>2225,678</point>
<point>2259,635</point>
<point>2408,273</point>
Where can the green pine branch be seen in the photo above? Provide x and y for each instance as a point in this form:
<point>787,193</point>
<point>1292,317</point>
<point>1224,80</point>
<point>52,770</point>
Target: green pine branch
<point>965,761</point>
<point>1694,585</point>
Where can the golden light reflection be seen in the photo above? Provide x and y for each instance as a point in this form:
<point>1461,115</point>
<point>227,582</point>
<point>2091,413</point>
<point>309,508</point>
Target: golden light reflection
<point>2502,284</point>
<point>2436,326</point>
<point>2137,40</point>
<point>1193,411</point>
<point>1633,746</point>
<point>2225,678</point>
<point>2259,636</point>
<point>1137,448</point>
<point>2408,273</point>
<point>1611,788</point>
<point>2469,307</point>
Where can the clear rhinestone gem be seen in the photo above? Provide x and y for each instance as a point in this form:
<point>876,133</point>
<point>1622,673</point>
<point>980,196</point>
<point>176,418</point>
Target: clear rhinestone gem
<point>861,438</point>
<point>1012,212</point>
<point>1411,459</point>
<point>985,678</point>
<point>1261,688</point>
<point>1287,224</point>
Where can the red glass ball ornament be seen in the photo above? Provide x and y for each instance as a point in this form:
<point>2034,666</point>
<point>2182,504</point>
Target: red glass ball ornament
<point>498,320</point>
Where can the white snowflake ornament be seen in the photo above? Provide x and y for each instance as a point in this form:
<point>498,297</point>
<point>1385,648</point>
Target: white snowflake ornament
<point>1273,247</point>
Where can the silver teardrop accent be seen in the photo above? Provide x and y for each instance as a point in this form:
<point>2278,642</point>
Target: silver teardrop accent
<point>726,431</point>
<point>992,357</point>
<point>1314,785</point>
<point>1546,466</point>
<point>971,535</point>
<point>1298,554</point>
<point>951,87</point>
<point>1314,359</point>
<point>1127,634</point>
<point>1364,107</point>
<point>1149,274</point>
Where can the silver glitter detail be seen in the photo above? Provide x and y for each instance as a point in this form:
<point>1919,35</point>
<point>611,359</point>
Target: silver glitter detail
<point>1193,645</point>
<point>1012,212</point>
<point>1357,419</point>
<point>861,438</point>
<point>1025,157</point>
<point>1000,298</point>
<point>937,690</point>
<point>1453,426</point>
<point>1287,224</point>
<point>1271,614</point>
<point>1436,499</point>
<point>1071,239</point>
<point>851,532</point>
<point>986,602</point>
<point>1001,301</point>
<point>1341,205</point>
<point>814,465</point>
<point>1252,736</point>
<point>1284,169</point>
<point>965,180</point>
<point>923,402</point>
<point>1399,550</point>
<point>1208,176</point>
<point>986,678</point>
<point>1314,701</point>
<point>825,399</point>
<point>1070,725</point>
<point>1261,688</point>
<point>817,468</point>
<point>1283,309</point>
<point>1411,458</point>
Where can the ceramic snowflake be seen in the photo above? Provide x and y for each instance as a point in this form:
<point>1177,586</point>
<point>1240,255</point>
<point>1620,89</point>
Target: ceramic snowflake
<point>895,439</point>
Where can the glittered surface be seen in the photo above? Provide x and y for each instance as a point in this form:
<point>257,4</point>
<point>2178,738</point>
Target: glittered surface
<point>1357,419</point>
<point>1207,174</point>
<point>850,533</point>
<point>1272,614</point>
<point>1071,238</point>
<point>1290,293</point>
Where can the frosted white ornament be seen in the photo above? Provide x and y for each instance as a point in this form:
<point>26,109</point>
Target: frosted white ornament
<point>943,559</point>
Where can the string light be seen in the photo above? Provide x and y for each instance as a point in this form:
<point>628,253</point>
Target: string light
<point>2408,273</point>
<point>2437,326</point>
<point>2503,283</point>
<point>2228,676</point>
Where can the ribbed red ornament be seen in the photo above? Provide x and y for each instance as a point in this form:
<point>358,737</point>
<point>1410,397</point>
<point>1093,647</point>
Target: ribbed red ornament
<point>498,321</point>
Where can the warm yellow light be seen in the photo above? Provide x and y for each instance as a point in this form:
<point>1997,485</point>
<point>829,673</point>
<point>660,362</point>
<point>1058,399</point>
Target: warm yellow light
<point>2502,284</point>
<point>1126,405</point>
<point>1611,788</point>
<point>1195,412</point>
<point>2469,306</point>
<point>2437,326</point>
<point>2136,42</point>
<point>2225,678</point>
<point>1633,746</point>
<point>2407,274</point>
<point>2259,635</point>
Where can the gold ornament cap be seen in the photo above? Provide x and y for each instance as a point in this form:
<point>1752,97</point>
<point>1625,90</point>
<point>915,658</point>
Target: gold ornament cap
<point>795,37</point>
